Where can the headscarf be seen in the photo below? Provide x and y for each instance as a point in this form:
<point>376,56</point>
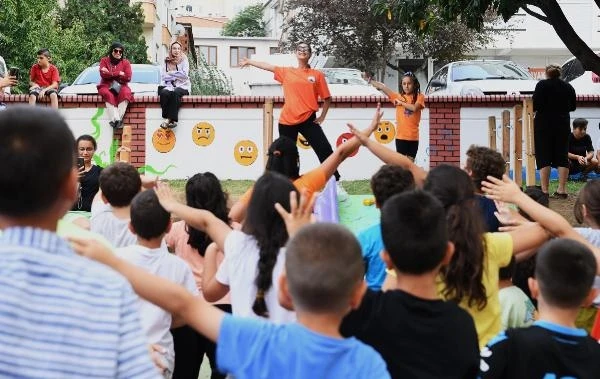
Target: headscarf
<point>173,61</point>
<point>116,45</point>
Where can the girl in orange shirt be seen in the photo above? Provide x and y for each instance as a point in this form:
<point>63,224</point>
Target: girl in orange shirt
<point>408,113</point>
<point>302,88</point>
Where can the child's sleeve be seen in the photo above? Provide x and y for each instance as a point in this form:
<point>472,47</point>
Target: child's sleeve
<point>494,358</point>
<point>55,75</point>
<point>238,339</point>
<point>421,100</point>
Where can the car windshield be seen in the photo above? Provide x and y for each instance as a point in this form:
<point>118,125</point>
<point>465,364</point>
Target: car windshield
<point>343,76</point>
<point>139,75</point>
<point>488,70</point>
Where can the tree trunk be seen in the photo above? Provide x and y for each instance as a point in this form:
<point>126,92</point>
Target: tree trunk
<point>564,30</point>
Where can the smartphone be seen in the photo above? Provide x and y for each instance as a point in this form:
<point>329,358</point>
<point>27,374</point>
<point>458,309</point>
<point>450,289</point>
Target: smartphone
<point>79,162</point>
<point>14,71</point>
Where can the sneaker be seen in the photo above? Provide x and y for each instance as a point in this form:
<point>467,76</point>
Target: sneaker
<point>164,125</point>
<point>119,124</point>
<point>172,124</point>
<point>558,195</point>
<point>113,124</point>
<point>342,195</point>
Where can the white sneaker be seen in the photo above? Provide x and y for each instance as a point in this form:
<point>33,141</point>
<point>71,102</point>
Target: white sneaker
<point>342,195</point>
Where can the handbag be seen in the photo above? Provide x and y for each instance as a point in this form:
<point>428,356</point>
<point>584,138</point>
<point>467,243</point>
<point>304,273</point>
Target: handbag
<point>115,87</point>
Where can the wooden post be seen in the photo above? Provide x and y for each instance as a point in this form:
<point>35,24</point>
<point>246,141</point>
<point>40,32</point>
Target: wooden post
<point>125,149</point>
<point>267,128</point>
<point>492,132</point>
<point>529,142</point>
<point>518,138</point>
<point>506,138</point>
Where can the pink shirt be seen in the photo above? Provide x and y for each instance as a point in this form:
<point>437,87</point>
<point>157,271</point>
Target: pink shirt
<point>176,240</point>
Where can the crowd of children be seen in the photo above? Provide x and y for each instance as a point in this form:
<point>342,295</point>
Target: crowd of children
<point>425,293</point>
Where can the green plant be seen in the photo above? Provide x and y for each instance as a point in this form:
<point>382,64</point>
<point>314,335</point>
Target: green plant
<point>208,79</point>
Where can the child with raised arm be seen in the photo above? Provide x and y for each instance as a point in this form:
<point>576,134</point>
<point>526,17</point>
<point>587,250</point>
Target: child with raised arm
<point>553,347</point>
<point>150,222</point>
<point>322,281</point>
<point>409,105</point>
<point>418,334</point>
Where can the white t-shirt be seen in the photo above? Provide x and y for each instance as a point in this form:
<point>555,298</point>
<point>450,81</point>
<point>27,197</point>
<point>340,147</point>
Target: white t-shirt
<point>593,237</point>
<point>114,229</point>
<point>238,271</point>
<point>156,322</point>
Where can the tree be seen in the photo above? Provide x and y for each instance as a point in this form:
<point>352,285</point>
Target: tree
<point>108,21</point>
<point>472,13</point>
<point>360,35</point>
<point>247,23</point>
<point>208,79</point>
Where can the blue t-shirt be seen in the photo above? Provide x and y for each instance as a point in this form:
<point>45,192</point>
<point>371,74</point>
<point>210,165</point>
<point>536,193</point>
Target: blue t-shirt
<point>371,244</point>
<point>251,348</point>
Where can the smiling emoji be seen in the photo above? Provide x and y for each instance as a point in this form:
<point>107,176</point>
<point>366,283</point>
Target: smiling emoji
<point>163,140</point>
<point>385,132</point>
<point>343,138</point>
<point>203,134</point>
<point>245,152</point>
<point>302,142</point>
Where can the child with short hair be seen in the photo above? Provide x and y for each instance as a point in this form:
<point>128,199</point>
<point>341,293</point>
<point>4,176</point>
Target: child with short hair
<point>553,346</point>
<point>386,182</point>
<point>119,183</point>
<point>417,333</point>
<point>516,309</point>
<point>44,79</point>
<point>322,281</point>
<point>150,222</point>
<point>581,150</point>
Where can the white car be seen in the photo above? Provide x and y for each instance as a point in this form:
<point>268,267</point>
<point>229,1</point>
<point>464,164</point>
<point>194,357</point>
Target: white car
<point>347,82</point>
<point>481,77</point>
<point>145,79</point>
<point>584,82</point>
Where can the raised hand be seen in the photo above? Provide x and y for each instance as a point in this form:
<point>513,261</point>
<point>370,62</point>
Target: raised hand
<point>299,214</point>
<point>165,196</point>
<point>502,190</point>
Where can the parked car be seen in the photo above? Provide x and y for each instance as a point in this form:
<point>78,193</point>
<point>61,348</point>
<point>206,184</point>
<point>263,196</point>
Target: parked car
<point>145,79</point>
<point>348,82</point>
<point>584,82</point>
<point>481,77</point>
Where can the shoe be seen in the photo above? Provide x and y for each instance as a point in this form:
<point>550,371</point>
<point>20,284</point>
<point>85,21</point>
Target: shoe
<point>558,195</point>
<point>172,124</point>
<point>164,125</point>
<point>113,124</point>
<point>342,195</point>
<point>119,124</point>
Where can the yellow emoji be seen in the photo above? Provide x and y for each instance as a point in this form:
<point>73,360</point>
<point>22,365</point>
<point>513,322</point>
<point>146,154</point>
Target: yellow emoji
<point>245,152</point>
<point>302,142</point>
<point>203,134</point>
<point>163,140</point>
<point>385,132</point>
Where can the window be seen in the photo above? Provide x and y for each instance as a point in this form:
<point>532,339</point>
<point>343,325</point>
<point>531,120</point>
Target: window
<point>438,81</point>
<point>236,53</point>
<point>273,50</point>
<point>209,53</point>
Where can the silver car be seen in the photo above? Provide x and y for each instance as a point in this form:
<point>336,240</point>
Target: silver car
<point>145,80</point>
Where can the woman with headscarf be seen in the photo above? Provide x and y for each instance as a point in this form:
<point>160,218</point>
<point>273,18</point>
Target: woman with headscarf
<point>115,72</point>
<point>175,83</point>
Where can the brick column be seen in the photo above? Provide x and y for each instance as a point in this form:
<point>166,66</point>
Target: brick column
<point>444,133</point>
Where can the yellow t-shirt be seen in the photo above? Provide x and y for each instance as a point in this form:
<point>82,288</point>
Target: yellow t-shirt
<point>488,321</point>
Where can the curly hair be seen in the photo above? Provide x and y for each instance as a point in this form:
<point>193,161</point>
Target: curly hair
<point>390,180</point>
<point>483,162</point>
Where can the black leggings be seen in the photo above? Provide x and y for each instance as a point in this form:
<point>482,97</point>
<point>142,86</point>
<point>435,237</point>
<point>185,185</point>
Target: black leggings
<point>190,347</point>
<point>408,148</point>
<point>170,102</point>
<point>314,135</point>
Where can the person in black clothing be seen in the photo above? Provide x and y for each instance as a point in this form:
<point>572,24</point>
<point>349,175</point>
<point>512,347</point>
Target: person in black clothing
<point>553,99</point>
<point>553,347</point>
<point>89,174</point>
<point>417,334</point>
<point>581,150</point>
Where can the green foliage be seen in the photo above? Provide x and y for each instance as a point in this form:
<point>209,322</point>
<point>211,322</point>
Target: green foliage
<point>247,23</point>
<point>207,79</point>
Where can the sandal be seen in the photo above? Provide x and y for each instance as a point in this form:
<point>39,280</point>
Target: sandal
<point>558,195</point>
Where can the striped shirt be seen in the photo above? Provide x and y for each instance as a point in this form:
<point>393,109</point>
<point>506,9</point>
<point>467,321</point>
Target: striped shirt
<point>65,316</point>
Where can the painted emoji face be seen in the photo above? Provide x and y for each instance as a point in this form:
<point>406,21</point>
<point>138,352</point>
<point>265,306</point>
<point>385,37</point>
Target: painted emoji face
<point>163,140</point>
<point>302,142</point>
<point>342,139</point>
<point>245,152</point>
<point>385,132</point>
<point>203,134</point>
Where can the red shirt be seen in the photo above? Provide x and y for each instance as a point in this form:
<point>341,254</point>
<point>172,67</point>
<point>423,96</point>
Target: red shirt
<point>44,79</point>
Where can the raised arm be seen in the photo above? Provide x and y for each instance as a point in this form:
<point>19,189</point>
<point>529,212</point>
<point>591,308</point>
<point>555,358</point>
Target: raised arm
<point>200,219</point>
<point>391,157</point>
<point>382,87</point>
<point>245,62</point>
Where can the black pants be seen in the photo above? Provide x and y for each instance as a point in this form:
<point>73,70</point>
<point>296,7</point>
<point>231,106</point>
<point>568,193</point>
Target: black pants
<point>170,102</point>
<point>408,148</point>
<point>190,347</point>
<point>314,136</point>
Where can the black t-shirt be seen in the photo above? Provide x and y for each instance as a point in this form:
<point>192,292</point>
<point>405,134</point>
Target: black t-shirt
<point>417,338</point>
<point>89,186</point>
<point>553,97</point>
<point>580,146</point>
<point>544,350</point>
<point>488,209</point>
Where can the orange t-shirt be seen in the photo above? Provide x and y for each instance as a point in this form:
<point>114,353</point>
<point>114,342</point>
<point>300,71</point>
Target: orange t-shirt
<point>302,88</point>
<point>407,122</point>
<point>313,181</point>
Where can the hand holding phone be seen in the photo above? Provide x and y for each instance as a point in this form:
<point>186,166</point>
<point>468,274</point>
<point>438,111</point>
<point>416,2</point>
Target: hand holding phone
<point>14,71</point>
<point>80,162</point>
